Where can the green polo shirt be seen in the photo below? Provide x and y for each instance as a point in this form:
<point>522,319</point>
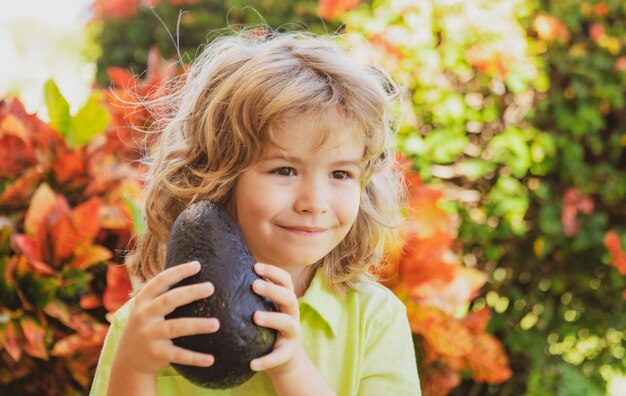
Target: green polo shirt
<point>360,343</point>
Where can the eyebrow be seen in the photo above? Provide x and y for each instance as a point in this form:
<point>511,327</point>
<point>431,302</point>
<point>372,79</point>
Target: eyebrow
<point>297,160</point>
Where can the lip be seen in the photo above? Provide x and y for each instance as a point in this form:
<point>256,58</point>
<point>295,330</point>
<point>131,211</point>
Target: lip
<point>304,230</point>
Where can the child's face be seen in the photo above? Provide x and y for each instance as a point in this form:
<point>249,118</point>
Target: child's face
<point>297,203</point>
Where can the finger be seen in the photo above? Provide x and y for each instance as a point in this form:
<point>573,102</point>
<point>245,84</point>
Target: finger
<point>174,298</point>
<point>180,327</point>
<point>275,274</point>
<point>282,322</point>
<point>276,358</point>
<point>163,281</point>
<point>281,296</point>
<point>180,355</point>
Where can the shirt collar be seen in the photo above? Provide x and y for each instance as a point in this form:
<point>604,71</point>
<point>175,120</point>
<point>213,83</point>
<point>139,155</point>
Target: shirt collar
<point>325,303</point>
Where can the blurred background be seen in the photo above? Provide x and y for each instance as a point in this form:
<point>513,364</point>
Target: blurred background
<point>513,140</point>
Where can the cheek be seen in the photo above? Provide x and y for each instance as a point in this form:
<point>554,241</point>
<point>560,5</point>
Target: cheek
<point>349,203</point>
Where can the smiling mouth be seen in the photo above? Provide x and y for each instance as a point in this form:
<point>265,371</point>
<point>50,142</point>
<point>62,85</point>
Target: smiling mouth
<point>304,230</point>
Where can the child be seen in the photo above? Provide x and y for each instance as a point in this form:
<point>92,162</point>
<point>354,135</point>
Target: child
<point>292,136</point>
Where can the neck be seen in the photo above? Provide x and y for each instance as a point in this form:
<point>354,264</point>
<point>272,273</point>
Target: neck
<point>301,278</point>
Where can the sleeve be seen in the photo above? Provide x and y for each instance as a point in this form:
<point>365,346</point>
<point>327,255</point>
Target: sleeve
<point>103,370</point>
<point>389,364</point>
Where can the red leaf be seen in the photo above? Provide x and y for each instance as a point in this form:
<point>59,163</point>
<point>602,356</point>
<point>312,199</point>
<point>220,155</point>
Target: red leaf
<point>16,147</point>
<point>29,247</point>
<point>574,202</point>
<point>106,9</point>
<point>439,380</point>
<point>73,343</point>
<point>71,317</point>
<point>11,340</point>
<point>33,332</point>
<point>118,288</point>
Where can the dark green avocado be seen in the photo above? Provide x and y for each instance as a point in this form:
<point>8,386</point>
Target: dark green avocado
<point>207,233</point>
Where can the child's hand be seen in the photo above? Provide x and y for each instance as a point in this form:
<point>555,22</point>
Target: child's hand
<point>146,344</point>
<point>287,349</point>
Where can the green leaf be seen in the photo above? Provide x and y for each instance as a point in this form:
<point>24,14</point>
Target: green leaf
<point>58,108</point>
<point>444,145</point>
<point>38,291</point>
<point>91,120</point>
<point>511,149</point>
<point>138,223</point>
<point>74,282</point>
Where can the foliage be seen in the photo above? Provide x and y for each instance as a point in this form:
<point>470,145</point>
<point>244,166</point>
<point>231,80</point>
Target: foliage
<point>513,133</point>
<point>128,29</point>
<point>515,111</point>
<point>63,219</point>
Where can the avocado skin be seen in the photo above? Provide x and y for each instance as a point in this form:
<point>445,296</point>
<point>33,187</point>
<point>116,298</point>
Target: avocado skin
<point>205,232</point>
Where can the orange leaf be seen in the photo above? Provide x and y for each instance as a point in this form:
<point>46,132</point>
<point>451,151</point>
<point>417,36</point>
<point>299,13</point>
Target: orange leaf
<point>73,343</point>
<point>20,191</point>
<point>33,332</point>
<point>40,206</point>
<point>423,260</point>
<point>11,340</point>
<point>121,77</point>
<point>448,297</point>
<point>331,9</point>
<point>118,288</point>
<point>86,257</point>
<point>63,233</point>
<point>71,317</point>
<point>477,321</point>
<point>614,246</point>
<point>69,166</point>
<point>90,301</point>
<point>86,218</point>
<point>449,338</point>
<point>488,360</point>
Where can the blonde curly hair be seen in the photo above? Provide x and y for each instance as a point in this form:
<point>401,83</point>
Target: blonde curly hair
<point>241,90</point>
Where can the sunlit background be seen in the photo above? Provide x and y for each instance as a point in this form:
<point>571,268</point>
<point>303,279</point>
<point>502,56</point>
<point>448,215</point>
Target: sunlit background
<point>43,40</point>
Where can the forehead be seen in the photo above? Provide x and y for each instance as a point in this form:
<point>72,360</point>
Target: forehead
<point>314,133</point>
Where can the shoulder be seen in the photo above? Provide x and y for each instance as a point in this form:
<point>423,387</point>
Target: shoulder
<point>120,317</point>
<point>377,300</point>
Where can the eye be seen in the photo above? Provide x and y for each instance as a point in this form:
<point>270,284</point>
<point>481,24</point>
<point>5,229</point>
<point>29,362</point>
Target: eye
<point>284,171</point>
<point>340,175</point>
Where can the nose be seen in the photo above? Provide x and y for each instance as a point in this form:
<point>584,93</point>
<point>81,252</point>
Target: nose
<point>312,197</point>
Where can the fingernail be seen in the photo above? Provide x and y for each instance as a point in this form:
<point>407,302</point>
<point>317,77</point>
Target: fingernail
<point>213,323</point>
<point>258,267</point>
<point>254,365</point>
<point>258,284</point>
<point>209,359</point>
<point>207,286</point>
